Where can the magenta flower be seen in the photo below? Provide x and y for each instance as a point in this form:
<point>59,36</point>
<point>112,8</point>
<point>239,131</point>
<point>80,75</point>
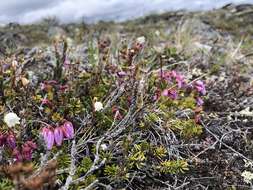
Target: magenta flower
<point>48,136</point>
<point>68,130</point>
<point>11,140</point>
<point>31,144</point>
<point>166,75</point>
<point>170,93</point>
<point>58,136</point>
<point>180,81</point>
<point>173,74</point>
<point>26,152</point>
<point>199,101</point>
<point>200,87</point>
<point>165,92</point>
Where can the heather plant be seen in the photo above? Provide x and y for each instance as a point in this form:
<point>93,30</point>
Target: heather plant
<point>107,123</point>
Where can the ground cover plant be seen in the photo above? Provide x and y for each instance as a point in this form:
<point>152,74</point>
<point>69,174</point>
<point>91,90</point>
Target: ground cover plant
<point>162,102</point>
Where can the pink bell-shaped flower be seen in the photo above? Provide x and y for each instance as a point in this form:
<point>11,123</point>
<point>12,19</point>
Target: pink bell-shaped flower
<point>68,130</point>
<point>48,136</point>
<point>58,136</point>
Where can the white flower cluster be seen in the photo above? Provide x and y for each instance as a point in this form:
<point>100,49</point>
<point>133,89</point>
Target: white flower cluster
<point>248,176</point>
<point>11,119</point>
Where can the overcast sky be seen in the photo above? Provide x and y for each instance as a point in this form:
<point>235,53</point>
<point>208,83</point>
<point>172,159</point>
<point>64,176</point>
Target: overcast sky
<point>27,11</point>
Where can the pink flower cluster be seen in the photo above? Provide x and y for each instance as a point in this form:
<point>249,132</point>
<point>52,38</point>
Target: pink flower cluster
<point>8,140</point>
<point>23,153</point>
<point>57,135</point>
<point>200,88</point>
<point>171,78</point>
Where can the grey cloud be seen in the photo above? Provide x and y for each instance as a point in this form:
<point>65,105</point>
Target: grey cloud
<point>26,11</point>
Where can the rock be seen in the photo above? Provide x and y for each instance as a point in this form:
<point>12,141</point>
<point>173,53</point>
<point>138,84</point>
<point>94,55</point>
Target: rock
<point>203,31</point>
<point>39,64</point>
<point>204,47</point>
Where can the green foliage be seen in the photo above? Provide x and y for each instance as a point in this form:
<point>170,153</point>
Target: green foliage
<point>152,117</point>
<point>173,167</point>
<point>75,106</point>
<point>160,151</point>
<point>171,52</point>
<point>64,161</point>
<point>188,102</point>
<point>84,166</point>
<point>88,180</point>
<point>187,128</point>
<point>5,184</point>
<point>138,155</point>
<point>112,171</point>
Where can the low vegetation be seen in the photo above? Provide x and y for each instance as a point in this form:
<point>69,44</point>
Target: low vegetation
<point>162,102</point>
